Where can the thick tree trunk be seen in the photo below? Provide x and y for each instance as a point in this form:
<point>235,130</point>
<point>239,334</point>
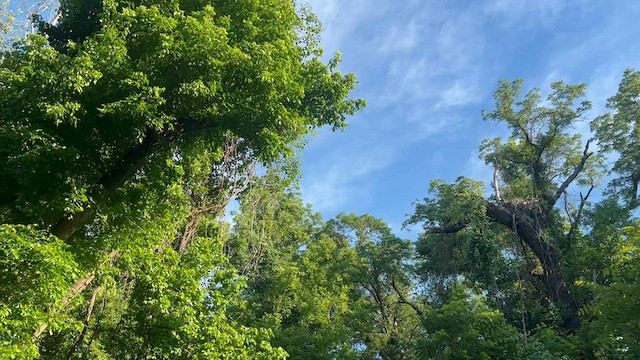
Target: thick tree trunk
<point>107,186</point>
<point>553,277</point>
<point>122,171</point>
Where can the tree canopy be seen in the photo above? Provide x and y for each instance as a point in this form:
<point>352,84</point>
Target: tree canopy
<point>130,126</point>
<point>123,124</point>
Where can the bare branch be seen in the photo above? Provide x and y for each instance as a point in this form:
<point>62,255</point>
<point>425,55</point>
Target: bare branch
<point>403,299</point>
<point>576,222</point>
<point>449,229</point>
<point>585,156</point>
<point>496,176</point>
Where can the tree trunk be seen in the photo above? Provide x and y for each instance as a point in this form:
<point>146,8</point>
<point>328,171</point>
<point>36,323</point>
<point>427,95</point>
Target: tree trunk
<point>123,170</point>
<point>553,278</point>
<point>107,186</point>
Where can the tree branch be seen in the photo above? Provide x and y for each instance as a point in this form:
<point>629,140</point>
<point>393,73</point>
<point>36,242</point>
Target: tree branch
<point>122,171</point>
<point>87,317</point>
<point>108,184</point>
<point>585,156</point>
<point>576,221</point>
<point>547,255</point>
<point>403,300</point>
<point>76,289</point>
<point>496,176</point>
<point>449,229</point>
<point>527,136</point>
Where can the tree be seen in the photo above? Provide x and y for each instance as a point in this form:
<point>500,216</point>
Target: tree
<point>301,284</point>
<point>534,169</point>
<point>613,329</point>
<point>466,328</point>
<point>89,113</point>
<point>336,289</point>
<point>391,324</point>
<point>619,133</point>
<point>126,128</point>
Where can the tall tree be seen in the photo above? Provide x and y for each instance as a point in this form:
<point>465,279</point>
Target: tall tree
<point>126,128</point>
<point>89,112</point>
<point>534,169</point>
<point>620,133</point>
<point>392,325</point>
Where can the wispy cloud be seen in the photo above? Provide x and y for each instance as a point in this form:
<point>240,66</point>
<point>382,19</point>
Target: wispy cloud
<point>400,38</point>
<point>428,68</point>
<point>445,45</point>
<point>339,178</point>
<point>341,18</point>
<point>420,55</point>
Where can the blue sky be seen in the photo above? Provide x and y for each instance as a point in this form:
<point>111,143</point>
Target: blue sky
<point>428,68</point>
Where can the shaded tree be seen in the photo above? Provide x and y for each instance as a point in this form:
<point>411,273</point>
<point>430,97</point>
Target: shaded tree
<point>534,169</point>
<point>124,140</point>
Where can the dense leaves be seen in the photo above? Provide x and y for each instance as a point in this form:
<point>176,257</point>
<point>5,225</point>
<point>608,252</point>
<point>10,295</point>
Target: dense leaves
<point>618,133</point>
<point>128,126</point>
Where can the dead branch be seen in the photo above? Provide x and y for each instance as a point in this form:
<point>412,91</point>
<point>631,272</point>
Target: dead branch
<point>496,176</point>
<point>585,156</point>
<point>76,289</point>
<point>449,229</point>
<point>576,221</point>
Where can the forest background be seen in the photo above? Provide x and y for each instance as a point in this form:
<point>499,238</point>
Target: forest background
<point>129,126</point>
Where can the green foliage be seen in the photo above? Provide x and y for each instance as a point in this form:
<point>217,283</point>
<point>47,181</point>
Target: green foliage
<point>6,18</point>
<point>326,290</point>
<point>178,309</point>
<point>313,301</point>
<point>540,153</point>
<point>391,318</point>
<point>473,249</point>
<point>614,327</point>
<point>36,270</point>
<point>466,328</point>
<point>149,73</point>
<point>451,204</point>
<point>302,284</point>
<point>141,119</point>
<point>135,121</point>
<point>618,133</point>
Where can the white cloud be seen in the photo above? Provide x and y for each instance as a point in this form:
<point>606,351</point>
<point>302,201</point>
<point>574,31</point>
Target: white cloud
<point>442,65</point>
<point>460,93</point>
<point>401,38</point>
<point>340,18</point>
<point>339,178</point>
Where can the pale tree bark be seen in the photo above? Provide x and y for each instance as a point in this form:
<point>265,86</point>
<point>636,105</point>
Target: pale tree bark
<point>231,177</point>
<point>76,289</point>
